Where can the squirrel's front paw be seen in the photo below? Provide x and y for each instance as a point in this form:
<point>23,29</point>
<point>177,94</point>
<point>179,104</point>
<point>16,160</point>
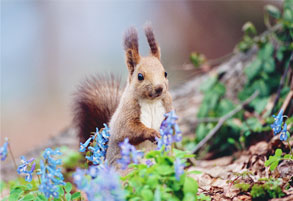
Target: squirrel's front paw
<point>153,134</point>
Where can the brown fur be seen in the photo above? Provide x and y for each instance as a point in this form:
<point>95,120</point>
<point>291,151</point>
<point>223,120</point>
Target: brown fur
<point>95,102</point>
<point>155,49</point>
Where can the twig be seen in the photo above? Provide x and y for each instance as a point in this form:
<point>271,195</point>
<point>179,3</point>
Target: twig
<point>282,81</point>
<point>12,156</point>
<point>222,121</point>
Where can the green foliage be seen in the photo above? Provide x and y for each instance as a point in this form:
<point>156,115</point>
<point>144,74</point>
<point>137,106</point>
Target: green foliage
<point>274,160</point>
<point>264,188</point>
<point>25,192</point>
<point>197,59</point>
<point>244,187</point>
<point>29,192</point>
<point>70,158</point>
<point>158,181</point>
<point>270,189</point>
<point>263,74</point>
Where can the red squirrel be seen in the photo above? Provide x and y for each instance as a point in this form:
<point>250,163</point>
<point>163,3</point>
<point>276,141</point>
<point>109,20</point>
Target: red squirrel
<point>135,111</point>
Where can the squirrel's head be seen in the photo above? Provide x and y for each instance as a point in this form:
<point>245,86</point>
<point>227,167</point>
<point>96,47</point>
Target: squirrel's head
<point>147,76</point>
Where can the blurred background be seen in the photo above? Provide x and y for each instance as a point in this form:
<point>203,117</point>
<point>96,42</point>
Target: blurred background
<point>49,47</point>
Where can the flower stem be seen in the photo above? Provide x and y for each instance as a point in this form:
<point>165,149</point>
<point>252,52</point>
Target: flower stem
<point>39,179</point>
<point>288,140</point>
<point>12,156</point>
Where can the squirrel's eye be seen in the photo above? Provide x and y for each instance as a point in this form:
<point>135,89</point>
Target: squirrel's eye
<point>166,74</point>
<point>140,77</point>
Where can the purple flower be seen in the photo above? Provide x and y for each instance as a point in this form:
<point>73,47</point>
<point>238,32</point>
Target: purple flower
<point>22,168</point>
<point>51,176</point>
<point>79,179</point>
<point>128,154</point>
<point>179,168</point>
<point>277,125</point>
<point>106,184</point>
<point>4,150</point>
<point>283,135</point>
<point>149,163</point>
<point>169,131</point>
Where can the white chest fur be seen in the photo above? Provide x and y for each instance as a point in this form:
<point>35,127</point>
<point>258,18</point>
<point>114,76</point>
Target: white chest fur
<point>152,113</point>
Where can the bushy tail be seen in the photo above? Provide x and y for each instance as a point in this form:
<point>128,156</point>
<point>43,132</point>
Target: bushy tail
<point>95,102</point>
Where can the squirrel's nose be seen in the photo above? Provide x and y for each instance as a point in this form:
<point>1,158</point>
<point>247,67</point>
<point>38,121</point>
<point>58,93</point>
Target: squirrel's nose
<point>159,90</point>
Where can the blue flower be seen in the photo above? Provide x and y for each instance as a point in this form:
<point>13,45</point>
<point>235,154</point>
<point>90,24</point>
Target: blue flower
<point>179,168</point>
<point>283,135</point>
<point>22,168</point>
<point>277,125</point>
<point>51,176</point>
<point>170,131</point>
<point>3,150</point>
<point>106,183</point>
<point>84,146</point>
<point>128,154</point>
<point>99,146</point>
<point>79,178</point>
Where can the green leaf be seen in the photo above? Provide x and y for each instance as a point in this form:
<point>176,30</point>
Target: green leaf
<point>274,165</point>
<point>76,195</point>
<point>225,106</point>
<point>231,140</point>
<point>259,104</point>
<point>253,69</point>
<point>41,197</point>
<point>273,11</point>
<point>68,196</point>
<point>60,190</point>
<point>164,169</point>
<point>254,124</point>
<point>278,152</point>
<point>190,186</point>
<point>147,194</point>
<point>15,194</point>
<point>194,172</point>
<point>28,197</point>
<point>2,185</point>
<point>249,28</point>
<point>269,65</point>
<point>270,160</point>
<point>153,180</point>
<point>287,156</point>
<point>208,84</point>
<point>266,51</point>
<point>68,187</point>
<point>157,196</point>
<point>189,197</point>
<point>201,132</point>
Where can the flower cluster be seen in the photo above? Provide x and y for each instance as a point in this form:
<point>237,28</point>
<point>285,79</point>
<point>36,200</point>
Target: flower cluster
<point>179,168</point>
<point>170,131</point>
<point>22,168</point>
<point>51,176</point>
<point>3,150</point>
<point>103,179</point>
<point>128,154</point>
<point>277,126</point>
<point>99,145</point>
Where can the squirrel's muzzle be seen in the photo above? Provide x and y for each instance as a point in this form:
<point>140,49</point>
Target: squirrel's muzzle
<point>156,92</point>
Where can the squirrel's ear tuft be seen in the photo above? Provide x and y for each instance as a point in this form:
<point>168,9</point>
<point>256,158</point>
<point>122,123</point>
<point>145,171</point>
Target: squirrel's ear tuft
<point>131,49</point>
<point>155,49</point>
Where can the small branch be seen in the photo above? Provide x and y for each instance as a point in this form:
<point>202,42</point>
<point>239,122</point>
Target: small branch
<point>282,81</point>
<point>12,156</point>
<point>222,121</point>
